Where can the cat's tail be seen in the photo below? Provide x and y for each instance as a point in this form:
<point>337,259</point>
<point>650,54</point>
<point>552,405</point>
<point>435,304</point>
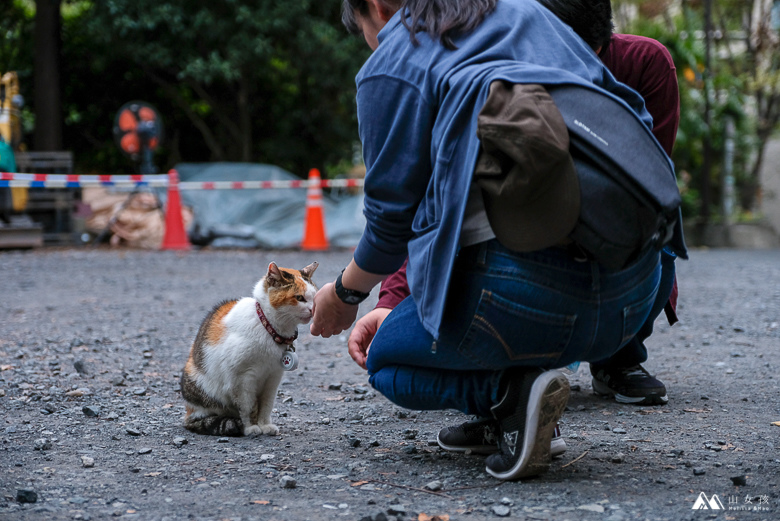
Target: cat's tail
<point>215,426</point>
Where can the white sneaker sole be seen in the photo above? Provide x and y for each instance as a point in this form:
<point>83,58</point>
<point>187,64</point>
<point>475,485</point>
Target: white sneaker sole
<point>602,389</point>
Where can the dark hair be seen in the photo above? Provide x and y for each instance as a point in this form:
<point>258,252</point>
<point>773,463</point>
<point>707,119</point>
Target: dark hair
<point>441,19</point>
<point>590,19</point>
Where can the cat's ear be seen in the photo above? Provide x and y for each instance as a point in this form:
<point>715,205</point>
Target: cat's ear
<point>274,276</point>
<point>308,271</point>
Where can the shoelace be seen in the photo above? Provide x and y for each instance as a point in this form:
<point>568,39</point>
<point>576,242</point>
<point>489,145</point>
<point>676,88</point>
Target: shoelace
<point>635,371</point>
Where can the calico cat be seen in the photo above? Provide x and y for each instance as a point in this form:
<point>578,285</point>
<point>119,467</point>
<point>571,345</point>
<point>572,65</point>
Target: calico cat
<point>235,363</point>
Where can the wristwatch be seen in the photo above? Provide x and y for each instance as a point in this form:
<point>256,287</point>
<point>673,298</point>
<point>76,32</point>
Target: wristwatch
<point>349,296</point>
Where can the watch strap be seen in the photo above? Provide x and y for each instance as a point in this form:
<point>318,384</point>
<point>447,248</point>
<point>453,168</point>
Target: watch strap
<point>349,296</point>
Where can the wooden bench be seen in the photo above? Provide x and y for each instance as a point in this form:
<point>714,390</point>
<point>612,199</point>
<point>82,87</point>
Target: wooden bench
<point>52,207</point>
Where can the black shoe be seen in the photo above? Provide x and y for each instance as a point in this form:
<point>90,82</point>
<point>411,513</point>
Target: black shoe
<point>480,436</point>
<point>527,416</point>
<point>632,385</point>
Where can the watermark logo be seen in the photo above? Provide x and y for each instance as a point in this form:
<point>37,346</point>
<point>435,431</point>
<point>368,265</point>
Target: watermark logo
<point>748,503</point>
<point>705,503</point>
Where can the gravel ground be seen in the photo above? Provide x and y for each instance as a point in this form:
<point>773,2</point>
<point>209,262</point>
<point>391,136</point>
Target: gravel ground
<point>92,343</point>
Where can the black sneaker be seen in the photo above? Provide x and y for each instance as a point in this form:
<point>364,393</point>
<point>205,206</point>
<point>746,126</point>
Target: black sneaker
<point>632,385</point>
<point>527,416</point>
<point>480,436</point>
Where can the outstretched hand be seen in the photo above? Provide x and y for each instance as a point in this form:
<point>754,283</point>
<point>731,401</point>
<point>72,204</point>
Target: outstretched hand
<point>363,334</point>
<point>331,315</point>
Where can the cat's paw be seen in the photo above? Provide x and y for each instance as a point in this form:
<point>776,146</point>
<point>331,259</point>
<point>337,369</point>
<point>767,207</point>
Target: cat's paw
<point>253,430</point>
<point>269,429</point>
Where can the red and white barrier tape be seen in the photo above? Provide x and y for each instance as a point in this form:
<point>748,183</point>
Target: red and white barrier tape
<point>14,180</point>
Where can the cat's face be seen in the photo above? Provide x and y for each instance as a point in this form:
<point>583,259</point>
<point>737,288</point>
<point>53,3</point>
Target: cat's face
<point>291,291</point>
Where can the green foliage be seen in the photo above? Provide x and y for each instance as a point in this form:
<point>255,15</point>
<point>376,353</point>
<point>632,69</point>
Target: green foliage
<point>15,37</point>
<point>235,80</point>
<point>727,100</point>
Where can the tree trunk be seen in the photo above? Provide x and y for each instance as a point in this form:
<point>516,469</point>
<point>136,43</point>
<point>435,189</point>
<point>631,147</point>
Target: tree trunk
<point>245,121</point>
<point>46,89</point>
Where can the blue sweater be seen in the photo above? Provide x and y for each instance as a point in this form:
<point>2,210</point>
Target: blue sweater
<point>417,112</point>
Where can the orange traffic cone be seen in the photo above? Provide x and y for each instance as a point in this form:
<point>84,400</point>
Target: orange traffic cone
<point>175,237</point>
<point>314,237</point>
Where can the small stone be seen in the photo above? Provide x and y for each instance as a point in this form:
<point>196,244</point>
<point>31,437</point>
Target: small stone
<point>619,430</point>
<point>179,441</point>
<point>91,411</point>
<point>288,482</point>
<point>410,434</point>
<point>24,495</point>
<point>506,501</point>
<point>739,481</point>
<point>397,510</point>
<point>118,380</point>
<point>354,442</point>
<point>266,457</point>
<point>2,393</point>
<point>80,366</point>
<point>334,387</point>
<point>434,485</point>
<point>223,440</point>
<point>145,450</point>
<point>87,462</point>
<point>42,444</point>
<point>592,507</point>
<point>698,471</point>
<point>618,458</point>
<point>501,510</point>
<point>133,431</point>
<point>325,421</point>
<point>139,391</point>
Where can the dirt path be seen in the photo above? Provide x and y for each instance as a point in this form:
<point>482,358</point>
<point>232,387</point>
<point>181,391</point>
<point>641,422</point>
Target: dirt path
<point>92,343</point>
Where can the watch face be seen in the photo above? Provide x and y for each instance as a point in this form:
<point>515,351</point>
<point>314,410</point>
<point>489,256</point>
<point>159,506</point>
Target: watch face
<point>352,299</point>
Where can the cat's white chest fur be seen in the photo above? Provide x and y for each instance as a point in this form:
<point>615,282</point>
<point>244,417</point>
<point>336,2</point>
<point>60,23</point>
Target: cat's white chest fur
<point>235,364</point>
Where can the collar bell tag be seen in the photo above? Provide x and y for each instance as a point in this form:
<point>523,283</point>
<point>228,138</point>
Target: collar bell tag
<point>289,360</point>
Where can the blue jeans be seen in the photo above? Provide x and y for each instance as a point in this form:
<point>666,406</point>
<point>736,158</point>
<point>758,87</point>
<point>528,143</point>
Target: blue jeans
<point>507,309</point>
<point>635,352</point>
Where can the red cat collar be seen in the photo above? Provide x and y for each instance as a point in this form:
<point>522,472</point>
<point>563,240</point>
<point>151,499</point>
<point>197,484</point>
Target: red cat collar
<point>279,339</point>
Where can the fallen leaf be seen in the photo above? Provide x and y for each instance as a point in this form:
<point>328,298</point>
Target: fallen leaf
<point>358,483</point>
<point>131,511</point>
<point>260,502</point>
<point>776,424</point>
<point>152,474</point>
<point>696,410</point>
<point>334,399</point>
<point>6,367</point>
<point>426,517</point>
<point>167,406</point>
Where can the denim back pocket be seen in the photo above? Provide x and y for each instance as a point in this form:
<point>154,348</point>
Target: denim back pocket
<point>503,333</point>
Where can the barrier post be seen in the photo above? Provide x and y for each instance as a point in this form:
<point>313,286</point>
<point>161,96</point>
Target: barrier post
<point>175,236</point>
<point>314,237</point>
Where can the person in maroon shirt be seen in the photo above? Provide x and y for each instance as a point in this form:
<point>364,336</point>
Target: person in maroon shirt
<point>646,66</point>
